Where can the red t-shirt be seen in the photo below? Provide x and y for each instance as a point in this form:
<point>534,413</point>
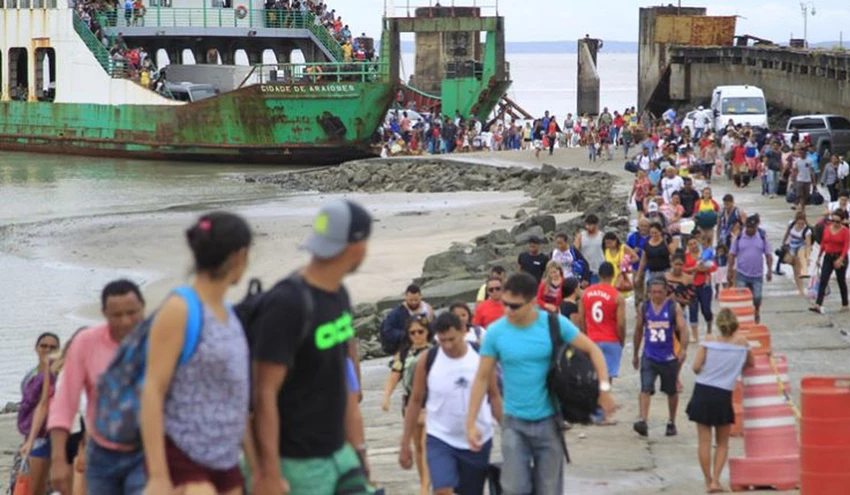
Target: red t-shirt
<point>546,294</point>
<point>487,312</point>
<point>699,277</point>
<point>600,312</point>
<point>835,244</point>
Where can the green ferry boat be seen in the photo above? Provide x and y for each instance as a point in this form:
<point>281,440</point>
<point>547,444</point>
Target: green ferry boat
<point>62,92</point>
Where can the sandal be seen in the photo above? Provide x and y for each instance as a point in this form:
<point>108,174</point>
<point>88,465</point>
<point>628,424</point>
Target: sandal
<point>815,309</point>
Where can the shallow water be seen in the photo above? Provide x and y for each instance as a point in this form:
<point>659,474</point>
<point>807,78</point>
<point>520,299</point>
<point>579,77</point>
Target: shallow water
<point>40,190</point>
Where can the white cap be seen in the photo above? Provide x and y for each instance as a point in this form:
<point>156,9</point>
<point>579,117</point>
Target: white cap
<point>700,107</point>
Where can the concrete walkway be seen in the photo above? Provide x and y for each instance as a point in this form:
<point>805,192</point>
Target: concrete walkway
<point>615,460</point>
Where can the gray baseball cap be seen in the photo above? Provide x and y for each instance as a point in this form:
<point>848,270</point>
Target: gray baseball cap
<point>338,224</point>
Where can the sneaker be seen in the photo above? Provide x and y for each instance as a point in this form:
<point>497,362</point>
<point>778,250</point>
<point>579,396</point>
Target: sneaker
<point>671,429</point>
<point>641,428</point>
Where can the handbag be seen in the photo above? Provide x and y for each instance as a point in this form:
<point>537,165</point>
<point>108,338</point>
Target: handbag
<point>23,481</point>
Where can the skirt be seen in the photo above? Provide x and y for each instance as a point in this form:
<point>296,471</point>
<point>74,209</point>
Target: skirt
<point>711,406</point>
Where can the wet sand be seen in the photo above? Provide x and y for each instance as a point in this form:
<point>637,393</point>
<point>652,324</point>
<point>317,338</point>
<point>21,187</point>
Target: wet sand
<point>407,229</point>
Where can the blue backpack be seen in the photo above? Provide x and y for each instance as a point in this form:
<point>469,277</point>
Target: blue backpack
<point>119,388</point>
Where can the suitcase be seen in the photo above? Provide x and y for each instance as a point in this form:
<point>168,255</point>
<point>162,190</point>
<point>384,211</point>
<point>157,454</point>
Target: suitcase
<point>631,167</point>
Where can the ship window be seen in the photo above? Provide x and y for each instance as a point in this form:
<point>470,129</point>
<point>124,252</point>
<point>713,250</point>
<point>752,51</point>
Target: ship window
<point>18,81</point>
<point>45,74</point>
<point>160,3</point>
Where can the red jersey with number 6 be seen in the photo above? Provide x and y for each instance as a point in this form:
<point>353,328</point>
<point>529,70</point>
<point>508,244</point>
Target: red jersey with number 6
<point>600,313</point>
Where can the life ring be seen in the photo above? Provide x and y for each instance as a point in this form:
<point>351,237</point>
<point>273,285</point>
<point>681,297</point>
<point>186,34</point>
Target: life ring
<point>241,12</point>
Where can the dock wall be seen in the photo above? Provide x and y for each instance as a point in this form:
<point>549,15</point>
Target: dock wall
<point>801,81</point>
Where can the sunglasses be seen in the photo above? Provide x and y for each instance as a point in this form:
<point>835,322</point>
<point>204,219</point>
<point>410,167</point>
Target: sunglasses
<point>48,346</point>
<point>417,332</point>
<point>494,289</point>
<point>513,306</point>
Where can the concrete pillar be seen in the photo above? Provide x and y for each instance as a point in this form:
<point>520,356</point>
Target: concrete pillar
<point>4,76</point>
<point>587,87</point>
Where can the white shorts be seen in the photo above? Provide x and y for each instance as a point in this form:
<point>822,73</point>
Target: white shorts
<point>720,276</point>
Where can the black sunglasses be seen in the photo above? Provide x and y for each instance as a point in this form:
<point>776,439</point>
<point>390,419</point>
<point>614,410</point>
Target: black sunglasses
<point>48,346</point>
<point>514,306</point>
<point>493,289</point>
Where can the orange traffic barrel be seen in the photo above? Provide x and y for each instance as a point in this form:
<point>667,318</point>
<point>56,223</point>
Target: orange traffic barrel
<point>825,436</point>
<point>738,407</point>
<point>758,337</point>
<point>740,301</point>
<point>770,426</point>
<point>780,473</point>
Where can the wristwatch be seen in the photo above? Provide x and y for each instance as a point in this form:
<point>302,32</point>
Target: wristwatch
<point>604,386</point>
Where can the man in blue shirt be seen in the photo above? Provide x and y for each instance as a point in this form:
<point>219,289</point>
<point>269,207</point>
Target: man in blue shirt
<point>520,341</point>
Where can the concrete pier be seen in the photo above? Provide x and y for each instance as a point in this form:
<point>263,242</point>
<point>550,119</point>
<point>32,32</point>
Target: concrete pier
<point>587,87</point>
<point>684,54</point>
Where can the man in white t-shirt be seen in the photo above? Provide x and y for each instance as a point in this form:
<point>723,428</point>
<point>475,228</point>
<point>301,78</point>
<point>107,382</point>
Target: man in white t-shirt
<point>671,183</point>
<point>453,466</point>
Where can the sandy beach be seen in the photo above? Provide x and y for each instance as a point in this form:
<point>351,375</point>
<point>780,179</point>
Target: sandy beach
<point>150,248</point>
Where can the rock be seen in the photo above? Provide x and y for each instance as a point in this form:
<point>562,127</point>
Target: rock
<point>370,349</point>
<point>495,237</point>
<point>10,407</point>
<point>367,327</point>
<point>365,309</point>
<point>548,171</point>
<point>557,188</point>
<point>443,293</point>
<point>545,222</point>
<point>535,231</point>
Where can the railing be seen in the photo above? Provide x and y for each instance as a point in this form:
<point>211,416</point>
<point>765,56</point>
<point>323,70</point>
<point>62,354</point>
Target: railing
<point>436,8</point>
<point>96,47</point>
<point>319,73</point>
<point>217,17</point>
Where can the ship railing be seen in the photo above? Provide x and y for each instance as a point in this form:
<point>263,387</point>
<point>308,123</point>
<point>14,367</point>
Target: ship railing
<point>223,17</point>
<point>318,73</point>
<point>101,54</point>
<point>437,8</point>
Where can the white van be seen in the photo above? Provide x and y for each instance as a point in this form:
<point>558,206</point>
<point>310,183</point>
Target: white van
<point>741,104</point>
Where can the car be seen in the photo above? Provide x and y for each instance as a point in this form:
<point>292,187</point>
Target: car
<point>828,133</point>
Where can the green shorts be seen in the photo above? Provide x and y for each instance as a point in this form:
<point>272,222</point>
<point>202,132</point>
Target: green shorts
<point>338,474</point>
<point>341,473</point>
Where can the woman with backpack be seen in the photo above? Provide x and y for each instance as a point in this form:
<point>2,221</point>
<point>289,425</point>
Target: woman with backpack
<point>796,249</point>
<point>719,361</point>
<point>474,333</point>
<point>418,341</point>
<point>194,411</point>
<point>36,389</point>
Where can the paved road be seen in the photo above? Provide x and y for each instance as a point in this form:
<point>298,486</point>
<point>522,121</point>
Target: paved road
<point>614,460</point>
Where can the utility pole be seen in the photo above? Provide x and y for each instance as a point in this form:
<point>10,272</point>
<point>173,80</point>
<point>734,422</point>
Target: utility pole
<point>804,9</point>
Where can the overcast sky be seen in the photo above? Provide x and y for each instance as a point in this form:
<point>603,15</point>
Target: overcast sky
<point>555,20</point>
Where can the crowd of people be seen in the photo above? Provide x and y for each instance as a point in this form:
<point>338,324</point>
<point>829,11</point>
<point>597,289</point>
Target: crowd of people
<point>265,395</point>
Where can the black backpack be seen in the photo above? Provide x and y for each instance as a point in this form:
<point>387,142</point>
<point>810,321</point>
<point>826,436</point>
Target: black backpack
<point>572,380</point>
<point>252,305</point>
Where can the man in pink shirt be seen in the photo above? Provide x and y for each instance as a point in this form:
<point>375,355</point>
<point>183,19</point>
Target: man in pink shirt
<point>111,468</point>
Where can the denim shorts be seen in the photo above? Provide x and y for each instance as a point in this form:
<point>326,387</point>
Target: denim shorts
<point>612,351</point>
<point>650,370</point>
<point>753,283</point>
<point>463,470</point>
<point>40,448</point>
